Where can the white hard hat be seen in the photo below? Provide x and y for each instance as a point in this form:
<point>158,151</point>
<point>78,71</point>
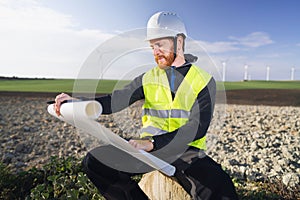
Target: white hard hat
<point>164,24</point>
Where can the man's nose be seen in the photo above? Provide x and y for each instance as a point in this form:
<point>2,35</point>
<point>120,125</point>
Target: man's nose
<point>156,50</point>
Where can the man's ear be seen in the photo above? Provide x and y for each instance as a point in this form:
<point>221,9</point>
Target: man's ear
<point>180,43</point>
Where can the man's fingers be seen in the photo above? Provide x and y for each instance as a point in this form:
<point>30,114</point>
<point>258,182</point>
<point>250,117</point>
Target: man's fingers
<point>133,143</point>
<point>58,101</point>
<point>141,144</point>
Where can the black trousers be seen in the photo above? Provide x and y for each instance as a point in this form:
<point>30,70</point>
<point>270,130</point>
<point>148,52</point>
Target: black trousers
<point>201,177</point>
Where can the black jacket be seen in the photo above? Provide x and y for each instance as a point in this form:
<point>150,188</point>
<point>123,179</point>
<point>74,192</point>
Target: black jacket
<point>201,112</point>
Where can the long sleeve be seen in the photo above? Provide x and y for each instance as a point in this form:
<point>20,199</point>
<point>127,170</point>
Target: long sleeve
<point>120,99</point>
<point>199,120</point>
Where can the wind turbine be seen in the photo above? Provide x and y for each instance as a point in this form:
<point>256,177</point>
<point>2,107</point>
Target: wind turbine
<point>268,73</point>
<point>223,71</point>
<point>246,72</point>
<point>224,62</point>
<point>292,73</point>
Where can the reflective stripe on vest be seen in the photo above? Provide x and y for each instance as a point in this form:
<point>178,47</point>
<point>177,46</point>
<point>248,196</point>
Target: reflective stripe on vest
<point>174,113</point>
<point>162,114</point>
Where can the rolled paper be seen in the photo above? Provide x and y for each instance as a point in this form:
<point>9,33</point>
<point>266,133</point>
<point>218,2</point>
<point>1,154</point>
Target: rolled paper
<point>81,109</point>
<point>82,114</point>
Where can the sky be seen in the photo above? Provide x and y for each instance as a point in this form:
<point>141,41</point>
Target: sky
<point>249,39</point>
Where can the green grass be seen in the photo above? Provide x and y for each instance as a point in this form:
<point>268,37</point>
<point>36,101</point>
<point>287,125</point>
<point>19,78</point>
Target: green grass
<point>60,85</point>
<point>106,86</point>
<point>37,85</point>
<point>262,85</point>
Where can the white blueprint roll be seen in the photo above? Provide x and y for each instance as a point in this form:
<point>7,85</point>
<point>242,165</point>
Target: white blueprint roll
<point>82,114</point>
<point>77,109</point>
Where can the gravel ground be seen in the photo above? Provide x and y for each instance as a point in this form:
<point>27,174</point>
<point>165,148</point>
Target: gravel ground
<point>251,142</point>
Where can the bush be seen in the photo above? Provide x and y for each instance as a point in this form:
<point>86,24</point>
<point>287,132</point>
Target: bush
<point>265,190</point>
<point>59,179</point>
<point>63,178</point>
<point>17,185</point>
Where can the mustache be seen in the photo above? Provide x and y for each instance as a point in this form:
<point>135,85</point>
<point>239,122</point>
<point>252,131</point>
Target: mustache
<point>161,56</point>
<point>169,59</point>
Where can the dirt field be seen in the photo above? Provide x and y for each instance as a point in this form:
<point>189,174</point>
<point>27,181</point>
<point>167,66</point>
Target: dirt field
<point>274,97</point>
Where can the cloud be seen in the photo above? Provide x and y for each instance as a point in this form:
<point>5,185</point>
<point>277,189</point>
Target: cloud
<point>252,40</point>
<point>29,15</point>
<point>272,55</point>
<point>37,41</point>
<point>219,47</point>
<point>255,39</point>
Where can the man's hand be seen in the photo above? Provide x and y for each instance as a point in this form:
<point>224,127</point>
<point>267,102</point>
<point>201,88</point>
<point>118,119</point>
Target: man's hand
<point>58,100</point>
<point>145,145</point>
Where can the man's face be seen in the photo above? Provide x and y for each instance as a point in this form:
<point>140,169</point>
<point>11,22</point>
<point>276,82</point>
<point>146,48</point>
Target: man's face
<point>163,52</point>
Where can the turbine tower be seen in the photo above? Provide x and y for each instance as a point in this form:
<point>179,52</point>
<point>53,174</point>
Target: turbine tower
<point>224,62</point>
<point>246,73</point>
<point>223,71</point>
<point>292,73</point>
<point>268,73</point>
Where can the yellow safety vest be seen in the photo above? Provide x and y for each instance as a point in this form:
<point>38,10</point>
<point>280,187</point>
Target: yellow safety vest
<point>162,114</point>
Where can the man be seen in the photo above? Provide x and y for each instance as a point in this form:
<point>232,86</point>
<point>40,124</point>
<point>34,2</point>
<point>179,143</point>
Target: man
<point>179,102</point>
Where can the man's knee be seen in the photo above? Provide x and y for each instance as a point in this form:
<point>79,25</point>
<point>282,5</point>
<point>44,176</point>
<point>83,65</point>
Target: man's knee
<point>85,162</point>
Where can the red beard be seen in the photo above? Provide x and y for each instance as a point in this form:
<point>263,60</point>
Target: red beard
<point>169,59</point>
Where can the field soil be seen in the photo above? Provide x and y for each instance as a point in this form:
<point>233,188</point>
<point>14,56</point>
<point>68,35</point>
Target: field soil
<point>271,97</point>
